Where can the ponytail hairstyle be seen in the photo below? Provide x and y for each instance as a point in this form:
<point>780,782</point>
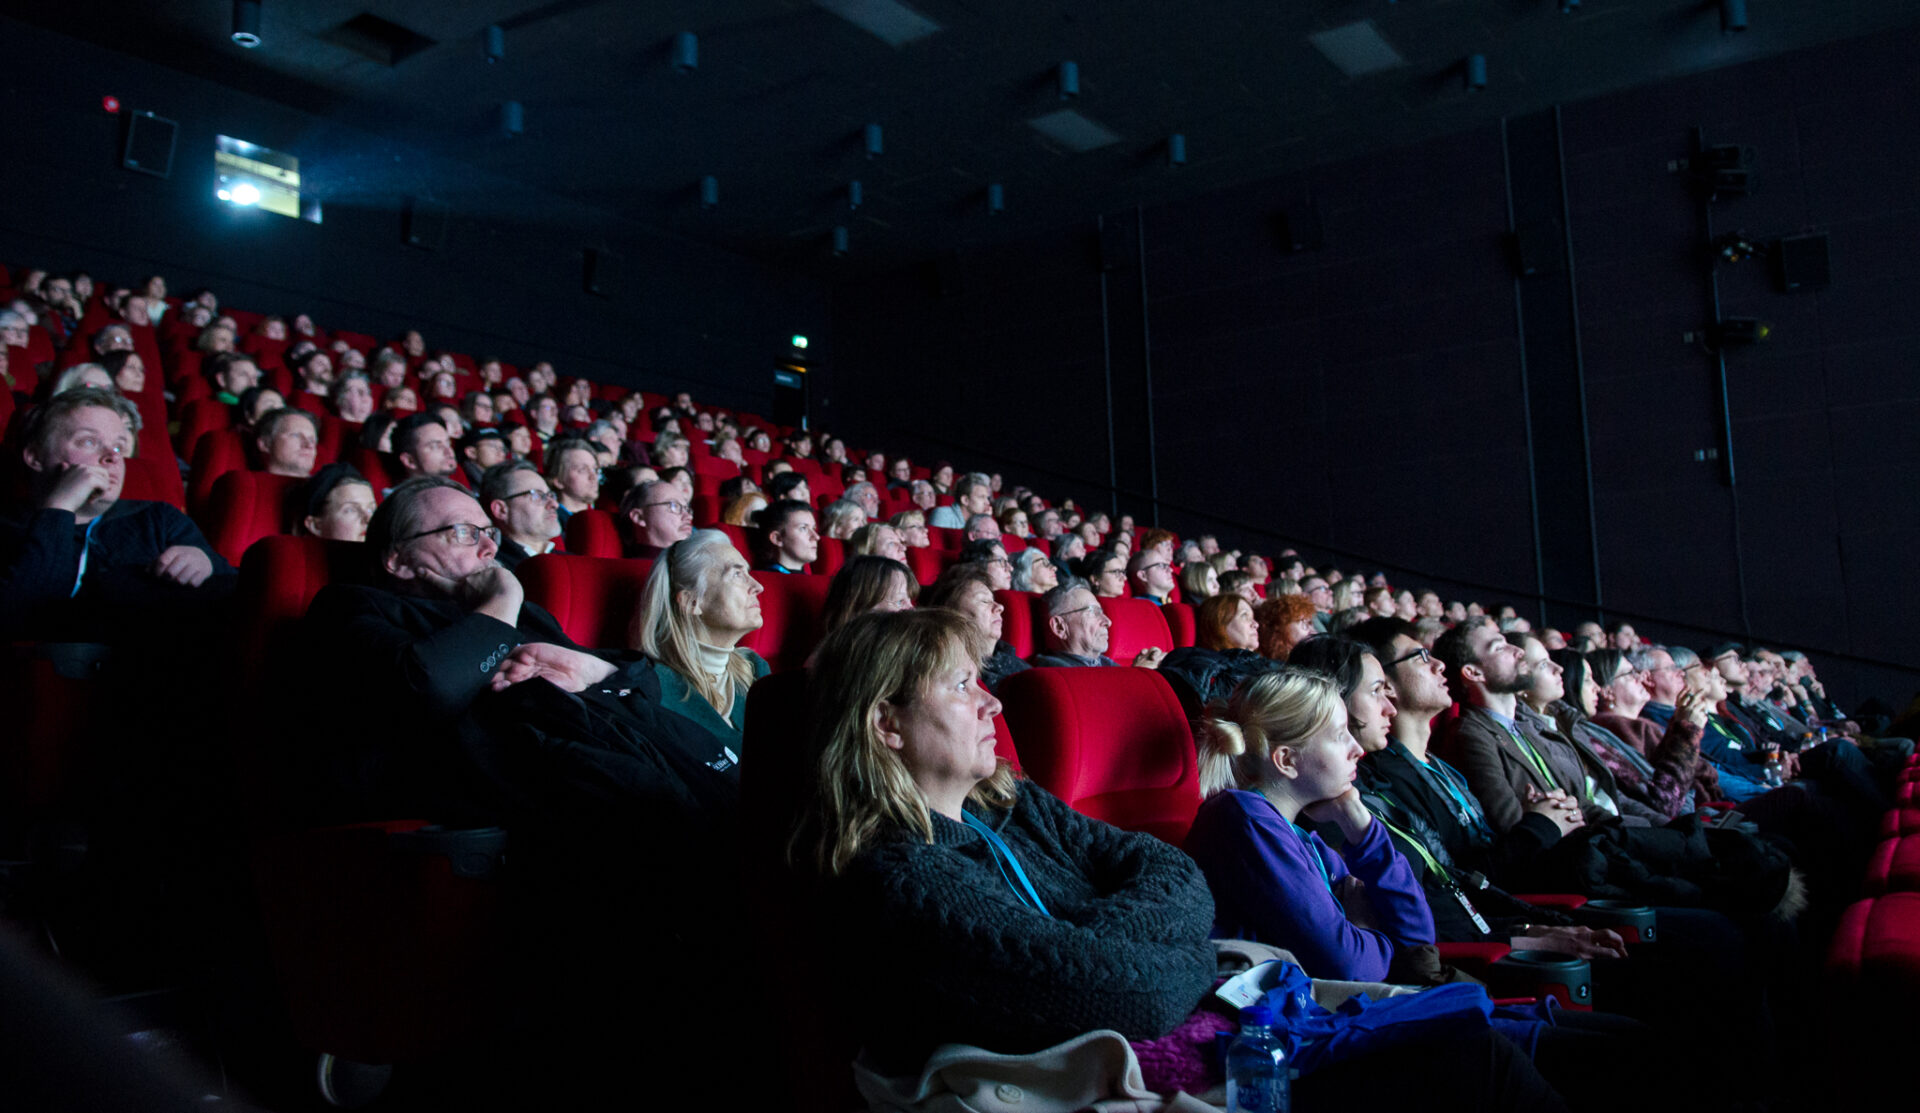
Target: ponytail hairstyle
<point>1236,740</point>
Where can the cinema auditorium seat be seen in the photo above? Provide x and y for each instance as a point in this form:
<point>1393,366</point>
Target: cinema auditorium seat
<point>154,480</point>
<point>246,506</point>
<point>1894,867</point>
<point>1019,623</point>
<point>593,598</point>
<point>1180,622</point>
<point>791,612</point>
<point>1137,624</point>
<point>593,533</point>
<point>1110,742</point>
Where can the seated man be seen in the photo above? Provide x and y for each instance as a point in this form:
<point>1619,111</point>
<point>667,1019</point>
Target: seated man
<point>233,374</point>
<point>972,494</point>
<point>656,517</point>
<point>573,471</point>
<point>1151,575</point>
<point>1510,759</point>
<point>867,497</point>
<point>1077,630</point>
<point>423,448</point>
<point>523,508</point>
<point>482,449</point>
<point>789,538</point>
<point>288,440</point>
<point>922,495</point>
<point>1046,524</point>
<point>77,562</point>
<point>981,527</point>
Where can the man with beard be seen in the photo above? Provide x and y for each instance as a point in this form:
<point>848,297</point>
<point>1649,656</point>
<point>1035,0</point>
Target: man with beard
<point>1507,764</point>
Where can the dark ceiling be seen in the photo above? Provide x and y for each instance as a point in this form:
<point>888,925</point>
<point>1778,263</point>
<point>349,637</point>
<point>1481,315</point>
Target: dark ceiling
<point>776,108</point>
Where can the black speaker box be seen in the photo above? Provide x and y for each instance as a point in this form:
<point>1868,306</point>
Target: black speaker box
<point>600,275</point>
<point>150,142</point>
<point>423,223</point>
<point>1802,263</point>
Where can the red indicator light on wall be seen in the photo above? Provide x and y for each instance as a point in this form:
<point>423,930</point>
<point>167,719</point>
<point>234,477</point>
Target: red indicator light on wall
<point>111,104</point>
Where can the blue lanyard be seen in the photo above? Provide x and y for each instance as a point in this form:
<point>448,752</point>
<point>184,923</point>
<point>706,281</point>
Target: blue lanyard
<point>1003,857</point>
<point>1325,877</point>
<point>85,544</point>
<point>1455,784</point>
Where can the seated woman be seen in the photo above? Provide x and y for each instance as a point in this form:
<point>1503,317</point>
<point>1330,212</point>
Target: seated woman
<point>352,397</point>
<point>1032,571</point>
<point>1663,779</point>
<point>1285,621</point>
<point>912,525</point>
<point>1225,653</point>
<point>841,519</point>
<point>129,371</point>
<point>868,583</point>
<point>700,600</point>
<point>335,504</point>
<point>1277,752</point>
<point>82,374</point>
<point>968,588</point>
<point>1198,581</point>
<point>1010,921</point>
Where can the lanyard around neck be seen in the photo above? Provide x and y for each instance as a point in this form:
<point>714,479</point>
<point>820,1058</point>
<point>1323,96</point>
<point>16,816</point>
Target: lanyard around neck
<point>1003,858</point>
<point>1325,877</point>
<point>86,543</point>
<point>1532,755</point>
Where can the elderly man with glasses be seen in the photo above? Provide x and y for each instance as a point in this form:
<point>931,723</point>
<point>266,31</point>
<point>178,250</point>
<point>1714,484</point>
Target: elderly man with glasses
<point>657,515</point>
<point>523,508</point>
<point>1077,631</point>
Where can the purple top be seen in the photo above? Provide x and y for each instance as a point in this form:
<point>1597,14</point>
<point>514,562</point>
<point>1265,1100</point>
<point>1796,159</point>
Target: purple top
<point>1271,883</point>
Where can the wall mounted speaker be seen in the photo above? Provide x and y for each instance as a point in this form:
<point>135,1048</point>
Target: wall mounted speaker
<point>1802,263</point>
<point>150,142</point>
<point>423,223</point>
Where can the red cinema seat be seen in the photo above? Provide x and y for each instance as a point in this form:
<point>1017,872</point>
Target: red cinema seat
<point>279,576</point>
<point>594,533</point>
<point>1137,624</point>
<point>368,462</point>
<point>928,563</point>
<point>1017,623</point>
<point>1894,867</point>
<point>1013,545</point>
<point>154,479</point>
<point>219,452</point>
<point>1112,743</point>
<point>832,558</point>
<point>200,416</point>
<point>1042,544</point>
<point>246,506</point>
<point>742,542</point>
<point>791,611</point>
<point>706,511</point>
<point>1180,620</point>
<point>593,598</point>
<point>948,539</point>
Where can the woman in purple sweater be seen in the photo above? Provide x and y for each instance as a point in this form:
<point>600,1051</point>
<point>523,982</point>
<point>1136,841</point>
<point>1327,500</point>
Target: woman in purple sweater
<point>1280,752</point>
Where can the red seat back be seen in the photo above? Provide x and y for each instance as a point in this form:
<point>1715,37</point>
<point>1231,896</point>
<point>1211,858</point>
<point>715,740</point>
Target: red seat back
<point>1017,624</point>
<point>244,507</point>
<point>1137,624</point>
<point>279,576</point>
<point>155,479</point>
<point>832,558</point>
<point>593,598</point>
<point>1894,867</point>
<point>1112,743</point>
<point>928,563</point>
<point>791,610</point>
<point>593,533</point>
<point>219,452</point>
<point>1180,621</point>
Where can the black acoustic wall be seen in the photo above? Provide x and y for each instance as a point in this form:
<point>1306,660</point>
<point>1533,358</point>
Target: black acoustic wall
<point>681,315</point>
<point>1368,397</point>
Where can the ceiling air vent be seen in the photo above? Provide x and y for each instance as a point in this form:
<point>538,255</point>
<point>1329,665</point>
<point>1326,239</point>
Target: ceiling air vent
<point>377,39</point>
<point>887,20</point>
<point>1073,131</point>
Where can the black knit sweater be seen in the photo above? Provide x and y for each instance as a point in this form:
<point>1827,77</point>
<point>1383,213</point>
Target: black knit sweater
<point>937,949</point>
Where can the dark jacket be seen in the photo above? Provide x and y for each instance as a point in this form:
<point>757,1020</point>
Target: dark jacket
<point>677,696</point>
<point>1003,662</point>
<point>40,561</point>
<point>1201,676</point>
<point>1053,660</point>
<point>936,948</point>
<point>1395,775</point>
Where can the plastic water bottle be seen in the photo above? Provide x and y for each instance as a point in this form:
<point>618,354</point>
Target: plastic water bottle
<point>1259,1078</point>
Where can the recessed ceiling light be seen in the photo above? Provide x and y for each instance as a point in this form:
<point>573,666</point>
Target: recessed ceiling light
<point>1357,49</point>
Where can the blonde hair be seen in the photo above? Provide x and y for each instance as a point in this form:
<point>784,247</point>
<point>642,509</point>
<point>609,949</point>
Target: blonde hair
<point>864,789</point>
<point>664,627</point>
<point>1236,740</point>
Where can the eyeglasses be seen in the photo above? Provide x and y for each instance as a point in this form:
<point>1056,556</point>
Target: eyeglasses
<point>463,534</point>
<point>674,506</point>
<point>1077,610</point>
<point>1001,560</point>
<point>1156,564</point>
<point>536,494</point>
<point>1422,654</point>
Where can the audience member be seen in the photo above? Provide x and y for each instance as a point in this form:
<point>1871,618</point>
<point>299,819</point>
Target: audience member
<point>912,525</point>
<point>1285,621</point>
<point>699,602</point>
<point>864,584</point>
<point>335,505</point>
<point>1033,572</point>
<point>422,448</point>
<point>1075,635</point>
<point>789,539</point>
<point>573,471</point>
<point>288,440</point>
<point>1106,572</point>
<point>1225,653</point>
<point>990,553</point>
<point>1198,581</point>
<point>972,494</point>
<point>1150,574</point>
<point>878,539</point>
<point>968,589</point>
<point>842,519</point>
<point>655,517</point>
<point>525,510</point>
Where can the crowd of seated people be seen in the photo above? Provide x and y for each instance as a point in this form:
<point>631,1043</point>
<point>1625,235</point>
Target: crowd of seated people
<point>1379,770</point>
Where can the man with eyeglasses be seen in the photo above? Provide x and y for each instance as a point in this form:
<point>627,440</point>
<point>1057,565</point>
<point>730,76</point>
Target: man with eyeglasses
<point>1076,633</point>
<point>981,527</point>
<point>657,515</point>
<point>523,508</point>
<point>1150,571</point>
<point>1320,594</point>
